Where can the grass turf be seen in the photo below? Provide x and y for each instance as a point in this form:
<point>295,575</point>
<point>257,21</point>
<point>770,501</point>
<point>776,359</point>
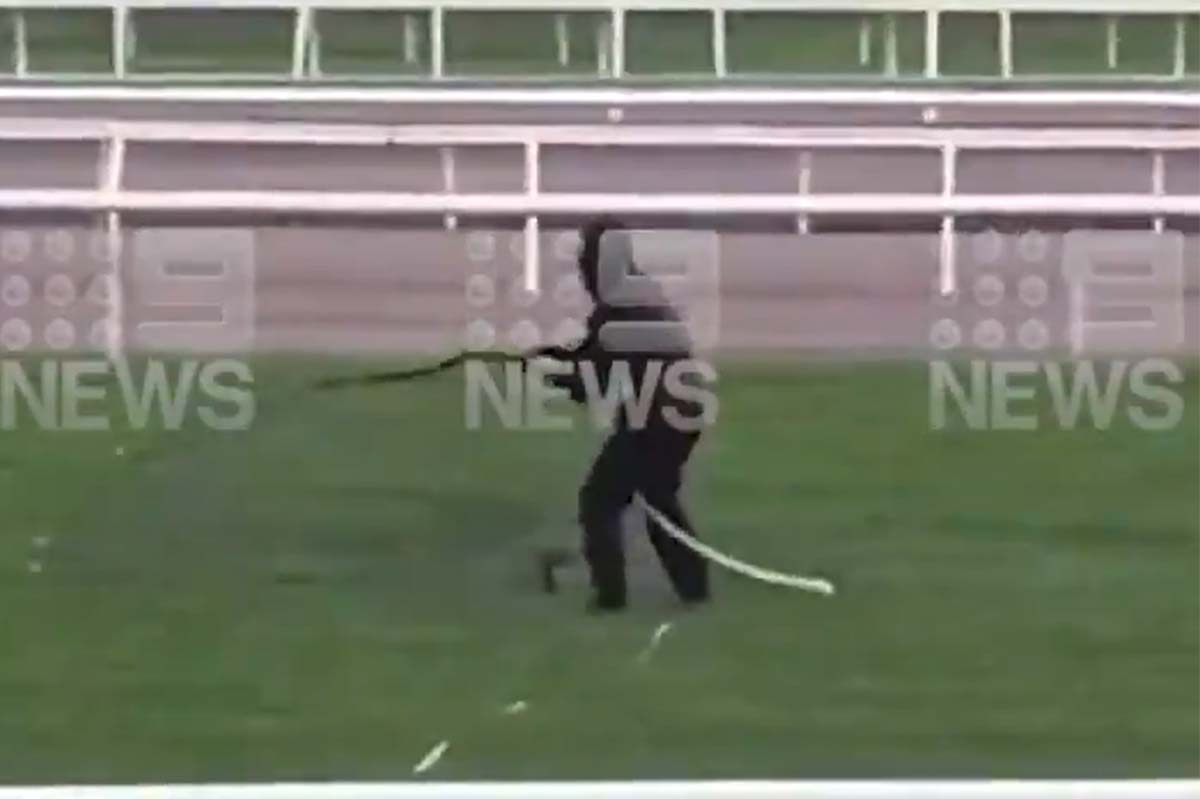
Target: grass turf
<point>371,43</point>
<point>333,592</point>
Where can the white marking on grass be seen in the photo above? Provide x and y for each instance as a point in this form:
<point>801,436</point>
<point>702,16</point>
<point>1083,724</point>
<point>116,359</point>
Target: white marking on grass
<point>659,633</point>
<point>35,567</point>
<point>41,542</point>
<point>516,708</point>
<point>430,760</point>
<point>119,452</point>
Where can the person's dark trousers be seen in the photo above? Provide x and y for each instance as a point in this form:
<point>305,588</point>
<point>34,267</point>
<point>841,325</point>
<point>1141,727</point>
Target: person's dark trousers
<point>649,462</point>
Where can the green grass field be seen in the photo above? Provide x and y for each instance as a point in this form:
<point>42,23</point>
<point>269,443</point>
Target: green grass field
<point>333,592</point>
<point>370,43</point>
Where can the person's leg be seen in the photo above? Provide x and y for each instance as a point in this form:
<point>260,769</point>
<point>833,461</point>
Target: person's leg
<point>604,495</point>
<point>659,483</point>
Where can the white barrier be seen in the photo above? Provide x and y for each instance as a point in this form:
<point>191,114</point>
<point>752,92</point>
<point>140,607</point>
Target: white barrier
<point>611,37</point>
<point>616,97</point>
<point>110,198</point>
<point>849,789</point>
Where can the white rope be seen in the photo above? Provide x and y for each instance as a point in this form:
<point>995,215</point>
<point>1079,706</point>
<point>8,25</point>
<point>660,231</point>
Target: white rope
<point>814,585</point>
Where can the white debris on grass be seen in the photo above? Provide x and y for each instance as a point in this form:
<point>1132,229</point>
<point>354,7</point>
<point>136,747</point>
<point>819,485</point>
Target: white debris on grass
<point>41,542</point>
<point>655,640</point>
<point>430,760</point>
<point>516,708</point>
<point>35,567</point>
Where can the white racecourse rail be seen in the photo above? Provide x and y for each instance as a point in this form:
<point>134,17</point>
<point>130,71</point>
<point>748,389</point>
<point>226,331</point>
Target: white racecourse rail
<point>611,49</point>
<point>112,199</point>
<point>850,789</point>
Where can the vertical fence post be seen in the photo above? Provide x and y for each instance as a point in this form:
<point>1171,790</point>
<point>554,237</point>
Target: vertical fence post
<point>864,41</point>
<point>891,57</point>
<point>449,182</point>
<point>720,65</point>
<point>111,170</point>
<point>437,41</point>
<point>532,187</point>
<point>803,185</point>
<point>1112,38</point>
<point>300,34</point>
<point>120,32</point>
<point>947,270</point>
<point>618,42</point>
<point>1179,64</point>
<point>933,45</point>
<point>1158,184</point>
<point>603,45</point>
<point>410,38</point>
<point>562,38</point>
<point>1006,43</point>
<point>313,62</point>
<point>20,44</point>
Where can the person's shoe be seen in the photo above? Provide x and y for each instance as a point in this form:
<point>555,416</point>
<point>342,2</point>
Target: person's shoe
<point>605,604</point>
<point>695,598</point>
<point>549,562</point>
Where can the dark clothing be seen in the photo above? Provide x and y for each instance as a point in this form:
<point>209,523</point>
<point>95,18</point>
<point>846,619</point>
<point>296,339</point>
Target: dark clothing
<point>643,458</point>
<point>650,463</point>
<point>648,341</point>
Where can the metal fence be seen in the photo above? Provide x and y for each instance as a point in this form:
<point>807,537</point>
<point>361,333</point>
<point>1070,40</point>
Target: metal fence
<point>422,46</point>
<point>110,198</point>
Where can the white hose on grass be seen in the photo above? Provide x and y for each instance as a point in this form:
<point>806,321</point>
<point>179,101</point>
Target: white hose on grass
<point>814,585</point>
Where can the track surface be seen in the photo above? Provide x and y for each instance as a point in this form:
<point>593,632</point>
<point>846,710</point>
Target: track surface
<point>319,287</point>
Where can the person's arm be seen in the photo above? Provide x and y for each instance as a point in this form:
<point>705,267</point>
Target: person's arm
<point>585,350</point>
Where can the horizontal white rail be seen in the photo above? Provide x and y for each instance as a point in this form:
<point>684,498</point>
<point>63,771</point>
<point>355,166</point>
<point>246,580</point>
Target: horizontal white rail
<point>554,96</point>
<point>518,204</point>
<point>288,133</point>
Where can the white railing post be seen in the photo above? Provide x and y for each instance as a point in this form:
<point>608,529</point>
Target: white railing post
<point>562,38</point>
<point>603,45</point>
<point>1112,39</point>
<point>437,41</point>
<point>1006,43</point>
<point>803,185</point>
<point>933,45</point>
<point>313,62</point>
<point>864,41</point>
<point>111,169</point>
<point>410,38</point>
<point>947,270</point>
<point>131,41</point>
<point>532,187</point>
<point>301,29</point>
<point>891,57</point>
<point>449,182</point>
<point>1158,184</point>
<point>1179,62</point>
<point>119,39</point>
<point>720,67</point>
<point>618,42</point>
<point>20,44</point>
